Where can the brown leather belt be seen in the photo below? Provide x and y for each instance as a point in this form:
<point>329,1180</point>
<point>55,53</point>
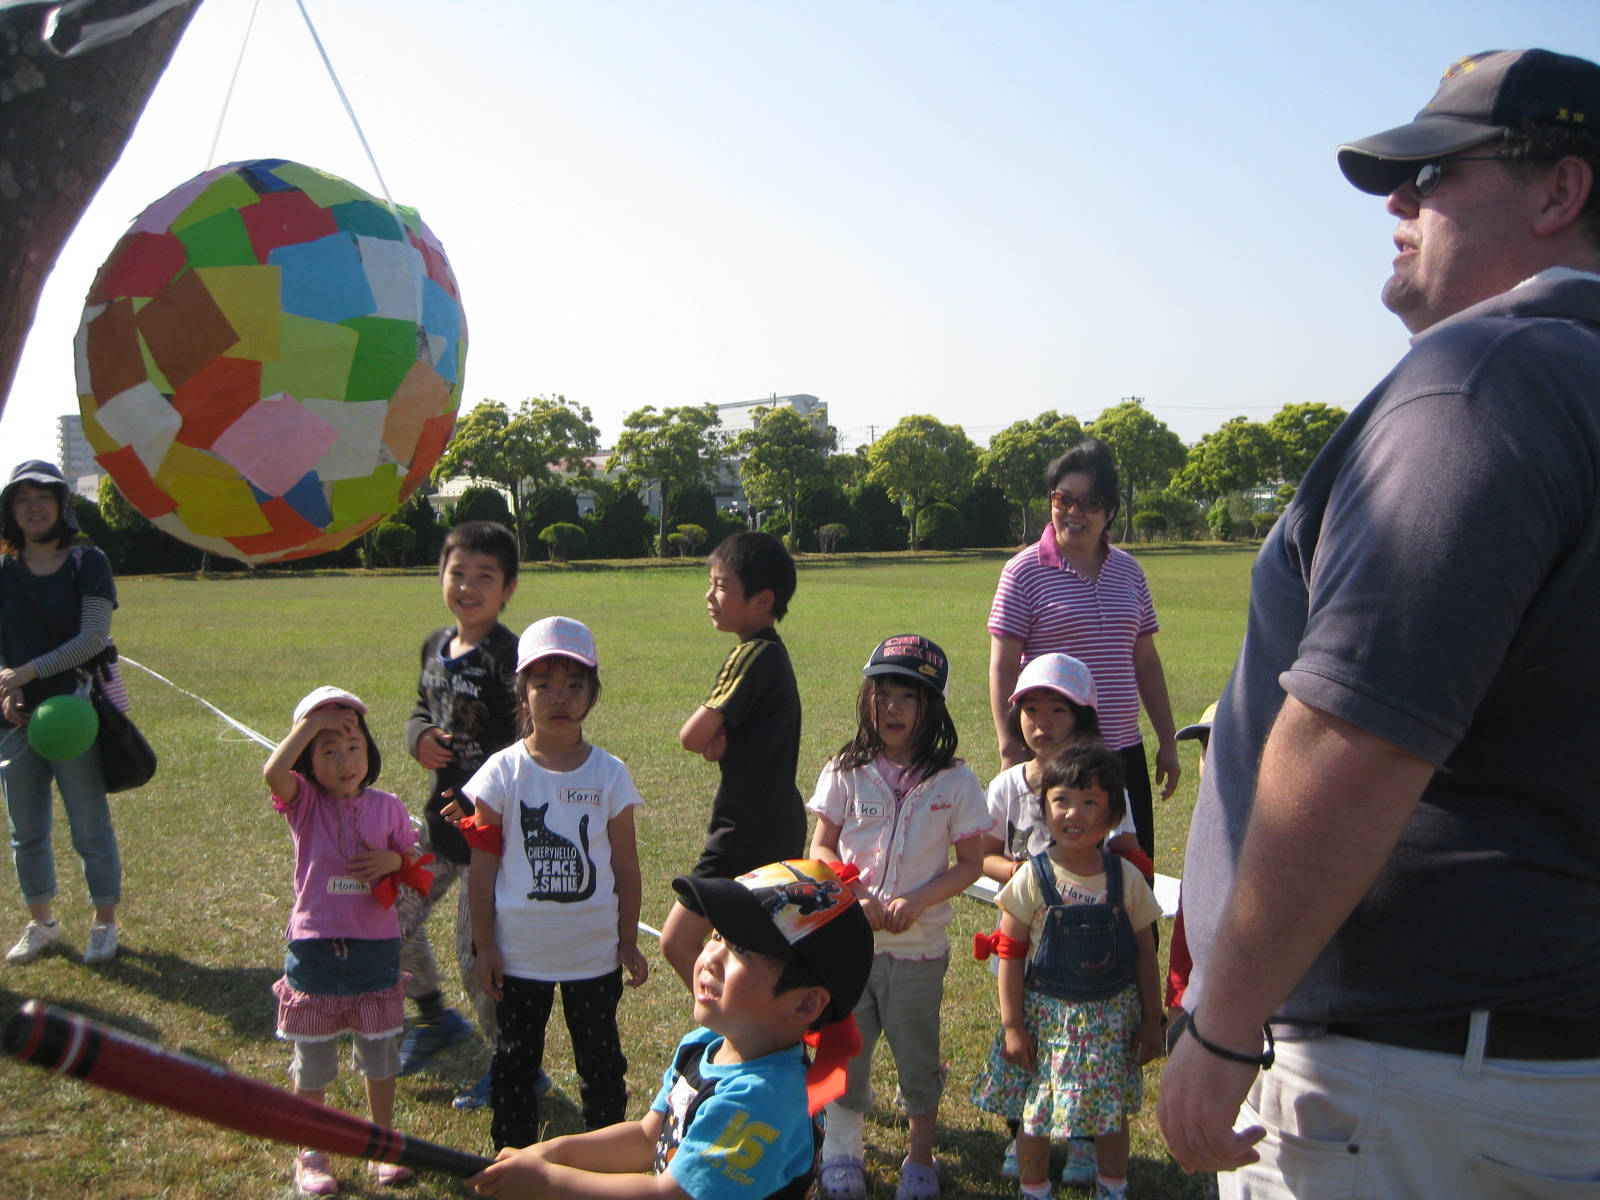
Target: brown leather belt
<point>1525,1036</point>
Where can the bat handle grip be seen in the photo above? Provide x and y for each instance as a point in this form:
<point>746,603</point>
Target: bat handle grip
<point>430,1156</point>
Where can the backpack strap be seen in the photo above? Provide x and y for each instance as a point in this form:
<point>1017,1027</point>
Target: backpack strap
<point>687,1064</point>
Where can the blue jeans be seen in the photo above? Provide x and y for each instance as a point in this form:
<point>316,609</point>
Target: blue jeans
<point>25,778</point>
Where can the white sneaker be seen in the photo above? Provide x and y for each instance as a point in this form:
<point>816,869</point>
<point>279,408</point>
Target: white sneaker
<point>35,940</point>
<point>102,945</point>
<point>1082,1169</point>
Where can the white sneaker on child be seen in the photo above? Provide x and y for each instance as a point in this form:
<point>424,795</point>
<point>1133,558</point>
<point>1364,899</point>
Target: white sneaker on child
<point>1082,1168</point>
<point>1008,1161</point>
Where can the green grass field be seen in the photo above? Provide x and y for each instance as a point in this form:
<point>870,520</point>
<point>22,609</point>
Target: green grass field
<point>207,861</point>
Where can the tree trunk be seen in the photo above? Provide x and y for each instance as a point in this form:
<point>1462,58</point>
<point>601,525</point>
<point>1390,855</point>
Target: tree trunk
<point>661,542</point>
<point>517,507</point>
<point>63,125</point>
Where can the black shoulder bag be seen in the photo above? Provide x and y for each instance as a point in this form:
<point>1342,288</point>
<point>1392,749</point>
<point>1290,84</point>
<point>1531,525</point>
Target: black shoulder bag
<point>126,757</point>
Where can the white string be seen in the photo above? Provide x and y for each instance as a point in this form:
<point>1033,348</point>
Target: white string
<point>351,113</point>
<point>211,155</point>
<point>383,186</point>
<point>252,735</point>
<point>260,739</point>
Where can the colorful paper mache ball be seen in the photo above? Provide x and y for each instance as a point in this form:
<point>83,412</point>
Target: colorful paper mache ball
<point>269,362</point>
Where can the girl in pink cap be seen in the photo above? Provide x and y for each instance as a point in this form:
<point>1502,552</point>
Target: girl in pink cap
<point>352,848</point>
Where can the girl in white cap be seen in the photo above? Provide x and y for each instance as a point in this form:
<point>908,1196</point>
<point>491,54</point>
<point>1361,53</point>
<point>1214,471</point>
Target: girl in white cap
<point>554,886</point>
<point>352,850</point>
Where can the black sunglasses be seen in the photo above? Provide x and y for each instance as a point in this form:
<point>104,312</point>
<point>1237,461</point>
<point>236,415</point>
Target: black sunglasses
<point>1430,174</point>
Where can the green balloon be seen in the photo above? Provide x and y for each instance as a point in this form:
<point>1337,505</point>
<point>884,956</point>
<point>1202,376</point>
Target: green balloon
<point>63,727</point>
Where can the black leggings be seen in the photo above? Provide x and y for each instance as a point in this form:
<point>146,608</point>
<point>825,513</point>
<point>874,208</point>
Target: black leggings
<point>590,1009</point>
<point>1137,769</point>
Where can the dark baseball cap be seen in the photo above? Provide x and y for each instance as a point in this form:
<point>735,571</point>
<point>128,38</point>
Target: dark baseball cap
<point>1479,97</point>
<point>794,909</point>
<point>909,654</point>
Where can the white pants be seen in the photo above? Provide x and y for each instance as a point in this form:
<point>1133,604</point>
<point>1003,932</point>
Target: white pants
<point>1353,1120</point>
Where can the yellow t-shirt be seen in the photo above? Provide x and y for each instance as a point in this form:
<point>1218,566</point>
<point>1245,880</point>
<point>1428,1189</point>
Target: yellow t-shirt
<point>1022,899</point>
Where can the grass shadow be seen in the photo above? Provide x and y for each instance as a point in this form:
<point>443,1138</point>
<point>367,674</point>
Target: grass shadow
<point>241,996</point>
<point>11,1003</point>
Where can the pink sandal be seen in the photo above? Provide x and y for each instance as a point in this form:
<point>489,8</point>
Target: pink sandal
<point>389,1174</point>
<point>313,1174</point>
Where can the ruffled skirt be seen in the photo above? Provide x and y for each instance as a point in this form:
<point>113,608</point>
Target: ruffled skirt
<point>1084,1080</point>
<point>338,985</point>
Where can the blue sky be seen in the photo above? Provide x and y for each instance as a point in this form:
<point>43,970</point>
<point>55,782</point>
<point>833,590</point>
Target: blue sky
<point>976,210</point>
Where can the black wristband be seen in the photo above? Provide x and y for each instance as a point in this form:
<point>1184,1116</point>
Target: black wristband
<point>1263,1060</point>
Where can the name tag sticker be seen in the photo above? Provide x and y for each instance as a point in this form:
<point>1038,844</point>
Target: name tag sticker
<point>868,809</point>
<point>1078,894</point>
<point>343,885</point>
<point>581,796</point>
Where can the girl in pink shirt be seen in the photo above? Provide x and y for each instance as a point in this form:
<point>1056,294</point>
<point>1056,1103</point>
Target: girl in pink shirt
<point>341,974</point>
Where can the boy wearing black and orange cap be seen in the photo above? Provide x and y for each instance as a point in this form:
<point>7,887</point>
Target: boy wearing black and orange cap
<point>736,1113</point>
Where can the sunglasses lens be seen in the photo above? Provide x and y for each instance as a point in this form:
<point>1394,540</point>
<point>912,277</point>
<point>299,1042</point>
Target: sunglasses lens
<point>1428,178</point>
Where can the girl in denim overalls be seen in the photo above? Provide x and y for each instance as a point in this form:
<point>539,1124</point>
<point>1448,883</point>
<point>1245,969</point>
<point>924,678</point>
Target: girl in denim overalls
<point>1080,1008</point>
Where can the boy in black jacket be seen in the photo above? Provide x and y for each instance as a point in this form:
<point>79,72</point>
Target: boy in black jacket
<point>465,711</point>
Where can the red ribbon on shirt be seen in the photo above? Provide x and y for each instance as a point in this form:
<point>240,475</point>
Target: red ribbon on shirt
<point>835,1044</point>
<point>985,944</point>
<point>415,876</point>
<point>480,835</point>
<point>1141,860</point>
<point>847,872</point>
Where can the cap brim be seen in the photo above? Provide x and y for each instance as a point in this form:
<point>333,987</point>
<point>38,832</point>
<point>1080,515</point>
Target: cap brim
<point>311,703</point>
<point>1381,163</point>
<point>524,663</point>
<point>927,681</point>
<point>735,913</point>
<point>1047,687</point>
<point>38,478</point>
<point>1192,732</point>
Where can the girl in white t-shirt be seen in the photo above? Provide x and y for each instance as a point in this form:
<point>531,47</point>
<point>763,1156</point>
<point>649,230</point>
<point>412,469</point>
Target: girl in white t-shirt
<point>554,886</point>
<point>1052,707</point>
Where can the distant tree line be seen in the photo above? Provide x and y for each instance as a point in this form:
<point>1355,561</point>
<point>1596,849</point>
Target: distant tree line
<point>922,484</point>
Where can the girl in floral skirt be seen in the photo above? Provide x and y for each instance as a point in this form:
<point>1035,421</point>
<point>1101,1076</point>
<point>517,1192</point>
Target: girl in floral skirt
<point>1080,1007</point>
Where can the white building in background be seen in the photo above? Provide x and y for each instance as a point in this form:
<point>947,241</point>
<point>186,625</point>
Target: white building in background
<point>727,487</point>
<point>75,456</point>
<point>741,415</point>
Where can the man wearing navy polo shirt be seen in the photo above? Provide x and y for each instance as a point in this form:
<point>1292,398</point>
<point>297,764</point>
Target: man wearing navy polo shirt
<point>1395,857</point>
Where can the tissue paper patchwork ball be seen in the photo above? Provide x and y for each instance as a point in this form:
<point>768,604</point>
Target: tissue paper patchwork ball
<point>269,362</point>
